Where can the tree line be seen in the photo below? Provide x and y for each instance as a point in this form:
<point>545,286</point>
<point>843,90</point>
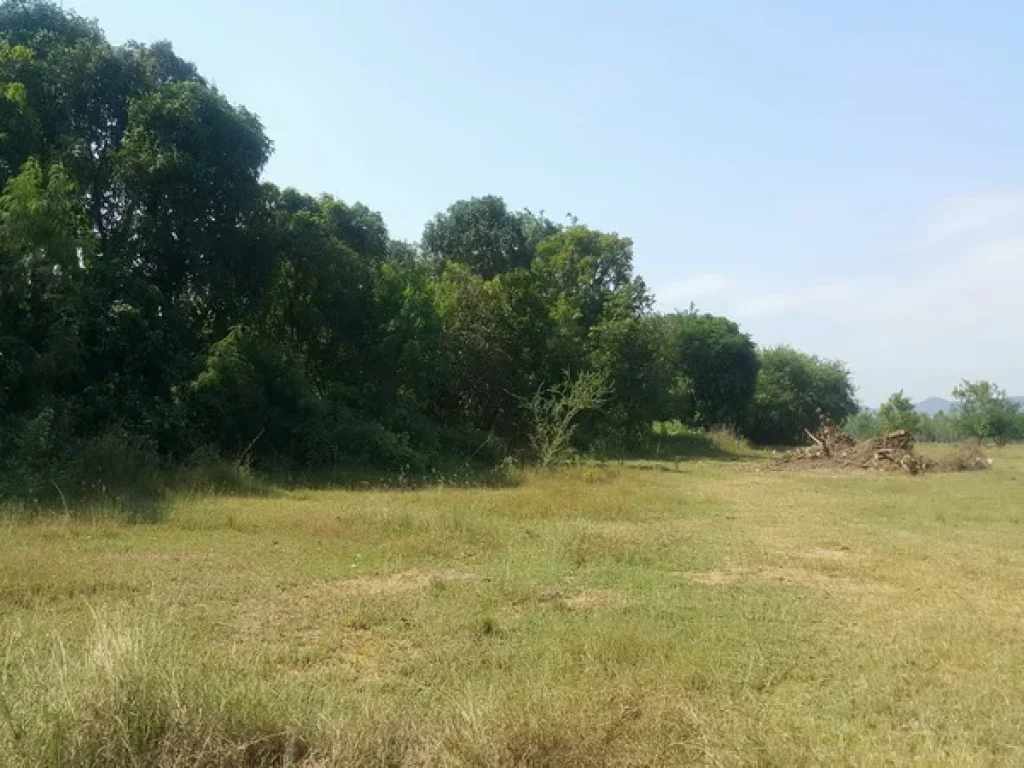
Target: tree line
<point>981,411</point>
<point>160,302</point>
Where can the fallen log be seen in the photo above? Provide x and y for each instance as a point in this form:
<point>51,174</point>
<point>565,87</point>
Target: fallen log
<point>820,443</point>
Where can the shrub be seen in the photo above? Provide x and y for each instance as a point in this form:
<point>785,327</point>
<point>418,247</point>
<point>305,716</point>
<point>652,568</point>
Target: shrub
<point>46,466</point>
<point>552,414</point>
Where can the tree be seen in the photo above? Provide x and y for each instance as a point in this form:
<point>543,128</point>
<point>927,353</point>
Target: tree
<point>714,366</point>
<point>480,233</point>
<point>597,308</point>
<point>794,391</point>
<point>627,352</point>
<point>940,428</point>
<point>42,229</point>
<point>190,166</point>
<point>536,228</point>
<point>898,413</point>
<point>984,412</point>
<point>587,276</point>
<point>495,349</point>
<point>157,295</point>
<point>862,425</point>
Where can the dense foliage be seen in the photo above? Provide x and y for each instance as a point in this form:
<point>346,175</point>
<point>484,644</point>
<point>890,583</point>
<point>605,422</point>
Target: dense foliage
<point>796,391</point>
<point>898,413</point>
<point>715,367</point>
<point>160,302</point>
<point>984,412</point>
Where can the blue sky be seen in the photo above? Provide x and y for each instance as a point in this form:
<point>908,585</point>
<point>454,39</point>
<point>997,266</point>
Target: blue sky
<point>845,177</point>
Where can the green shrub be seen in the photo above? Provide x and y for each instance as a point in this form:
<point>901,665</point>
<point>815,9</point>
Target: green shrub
<point>45,466</point>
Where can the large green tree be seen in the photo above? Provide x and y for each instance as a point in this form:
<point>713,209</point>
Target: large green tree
<point>794,392</point>
<point>714,367</point>
<point>480,233</point>
<point>898,413</point>
<point>158,299</point>
<point>598,309</point>
<point>984,412</point>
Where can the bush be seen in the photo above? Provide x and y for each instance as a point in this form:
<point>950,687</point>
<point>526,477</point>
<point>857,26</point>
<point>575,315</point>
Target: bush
<point>553,412</point>
<point>966,457</point>
<point>794,392</point>
<point>258,402</point>
<point>248,400</point>
<point>334,435</point>
<point>727,440</point>
<point>46,467</point>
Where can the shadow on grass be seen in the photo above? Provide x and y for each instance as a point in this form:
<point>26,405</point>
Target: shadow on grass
<point>151,502</point>
<point>129,508</point>
<point>356,478</point>
<point>145,497</point>
<point>671,442</point>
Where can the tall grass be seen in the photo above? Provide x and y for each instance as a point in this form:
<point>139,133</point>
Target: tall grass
<point>140,695</point>
<point>603,615</point>
<point>136,695</point>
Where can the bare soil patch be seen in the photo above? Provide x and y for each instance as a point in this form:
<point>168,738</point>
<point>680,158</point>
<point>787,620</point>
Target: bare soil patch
<point>393,584</point>
<point>793,576</point>
<point>826,554</point>
<point>596,599</point>
<point>308,608</point>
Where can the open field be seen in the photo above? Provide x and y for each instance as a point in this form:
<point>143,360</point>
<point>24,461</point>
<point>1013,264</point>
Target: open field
<point>704,612</point>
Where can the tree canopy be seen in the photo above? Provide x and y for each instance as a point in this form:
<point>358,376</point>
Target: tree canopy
<point>159,297</point>
<point>795,391</point>
<point>984,412</point>
<point>715,367</point>
<point>898,413</point>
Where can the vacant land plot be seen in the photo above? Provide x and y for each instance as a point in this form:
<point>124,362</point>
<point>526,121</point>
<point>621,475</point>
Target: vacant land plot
<point>705,612</point>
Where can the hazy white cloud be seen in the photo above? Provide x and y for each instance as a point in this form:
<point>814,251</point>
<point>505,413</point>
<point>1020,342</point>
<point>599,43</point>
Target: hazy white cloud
<point>679,294</point>
<point>951,307</point>
<point>821,297</point>
<point>966,215</point>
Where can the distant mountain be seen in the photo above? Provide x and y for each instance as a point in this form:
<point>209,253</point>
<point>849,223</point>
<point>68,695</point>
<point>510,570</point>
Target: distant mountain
<point>934,405</point>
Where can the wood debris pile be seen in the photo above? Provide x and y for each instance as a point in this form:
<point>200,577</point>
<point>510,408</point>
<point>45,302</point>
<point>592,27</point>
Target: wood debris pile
<point>833,448</point>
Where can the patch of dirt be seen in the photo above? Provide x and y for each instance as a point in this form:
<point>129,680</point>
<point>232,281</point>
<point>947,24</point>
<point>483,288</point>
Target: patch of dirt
<point>716,578</point>
<point>365,661</point>
<point>802,577</point>
<point>826,554</point>
<point>596,599</point>
<point>393,584</point>
<point>833,449</point>
<point>798,577</point>
<point>334,622</point>
<point>306,610</point>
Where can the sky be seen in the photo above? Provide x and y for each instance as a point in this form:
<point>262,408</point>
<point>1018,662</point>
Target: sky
<point>845,177</point>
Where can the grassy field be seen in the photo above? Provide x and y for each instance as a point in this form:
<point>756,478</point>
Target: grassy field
<point>701,612</point>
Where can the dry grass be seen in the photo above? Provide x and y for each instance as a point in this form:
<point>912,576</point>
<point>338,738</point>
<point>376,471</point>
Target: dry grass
<point>611,615</point>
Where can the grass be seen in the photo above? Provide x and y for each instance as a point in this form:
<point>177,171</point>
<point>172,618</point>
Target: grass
<point>644,613</point>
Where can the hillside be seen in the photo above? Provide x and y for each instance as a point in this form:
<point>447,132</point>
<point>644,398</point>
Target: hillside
<point>934,405</point>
